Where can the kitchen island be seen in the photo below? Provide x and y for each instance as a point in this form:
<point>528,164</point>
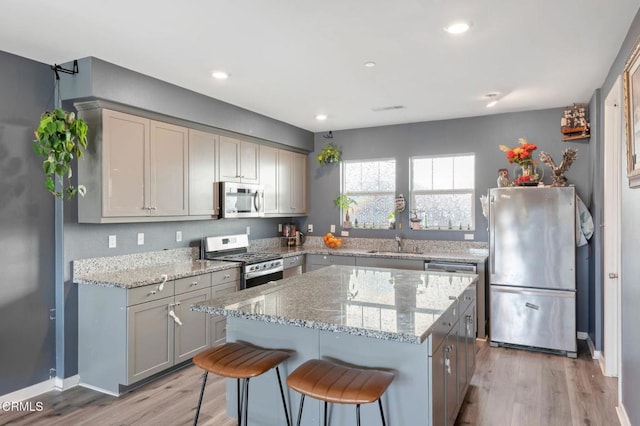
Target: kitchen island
<point>418,324</point>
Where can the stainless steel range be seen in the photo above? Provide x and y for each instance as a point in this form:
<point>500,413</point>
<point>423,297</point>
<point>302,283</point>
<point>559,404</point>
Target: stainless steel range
<point>257,268</point>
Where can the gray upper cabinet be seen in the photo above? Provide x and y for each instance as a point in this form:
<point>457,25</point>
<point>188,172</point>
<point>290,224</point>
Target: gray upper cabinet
<point>239,160</point>
<point>269,178</point>
<point>135,169</point>
<point>203,173</point>
<point>292,183</point>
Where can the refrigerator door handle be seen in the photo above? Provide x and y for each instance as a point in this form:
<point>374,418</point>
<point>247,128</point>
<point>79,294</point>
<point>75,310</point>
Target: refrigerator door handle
<point>532,306</point>
<point>492,257</point>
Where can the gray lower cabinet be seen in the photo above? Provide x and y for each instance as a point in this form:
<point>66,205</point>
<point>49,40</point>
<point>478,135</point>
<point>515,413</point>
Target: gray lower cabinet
<point>317,261</point>
<point>385,262</point>
<point>293,265</point>
<point>126,335</point>
<point>222,283</point>
<point>452,357</point>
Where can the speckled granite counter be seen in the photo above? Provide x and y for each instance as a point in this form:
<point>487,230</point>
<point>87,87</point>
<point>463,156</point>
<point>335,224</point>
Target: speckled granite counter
<point>389,304</point>
<point>136,270</point>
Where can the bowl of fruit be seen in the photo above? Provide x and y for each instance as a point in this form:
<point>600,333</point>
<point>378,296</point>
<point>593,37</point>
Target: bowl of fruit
<point>332,241</point>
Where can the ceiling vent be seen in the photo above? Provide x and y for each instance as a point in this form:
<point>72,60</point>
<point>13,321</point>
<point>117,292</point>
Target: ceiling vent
<point>387,108</point>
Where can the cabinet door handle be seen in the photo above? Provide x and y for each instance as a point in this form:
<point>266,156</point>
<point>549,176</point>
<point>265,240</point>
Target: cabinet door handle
<point>164,280</point>
<point>532,306</point>
<point>175,317</point>
<point>447,365</point>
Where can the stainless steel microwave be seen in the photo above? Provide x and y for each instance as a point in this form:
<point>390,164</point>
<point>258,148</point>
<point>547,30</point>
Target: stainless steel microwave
<point>241,199</point>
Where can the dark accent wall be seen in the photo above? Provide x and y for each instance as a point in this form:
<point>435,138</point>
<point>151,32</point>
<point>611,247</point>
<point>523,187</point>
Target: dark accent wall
<point>103,80</point>
<point>98,79</point>
<point>478,135</point>
<point>27,336</point>
<point>629,281</point>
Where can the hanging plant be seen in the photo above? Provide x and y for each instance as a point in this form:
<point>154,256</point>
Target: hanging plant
<point>60,138</point>
<point>329,154</point>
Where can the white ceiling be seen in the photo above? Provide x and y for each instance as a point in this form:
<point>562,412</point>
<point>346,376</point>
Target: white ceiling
<point>293,59</point>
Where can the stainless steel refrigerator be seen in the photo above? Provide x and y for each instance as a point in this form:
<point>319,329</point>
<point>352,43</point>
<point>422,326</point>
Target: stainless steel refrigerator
<point>532,267</point>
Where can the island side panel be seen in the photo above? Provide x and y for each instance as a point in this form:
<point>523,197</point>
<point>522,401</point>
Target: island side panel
<point>265,403</point>
<point>406,401</point>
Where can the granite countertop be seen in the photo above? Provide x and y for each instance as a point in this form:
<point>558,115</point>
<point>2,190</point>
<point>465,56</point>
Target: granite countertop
<point>141,276</point>
<point>390,304</point>
<point>471,256</point>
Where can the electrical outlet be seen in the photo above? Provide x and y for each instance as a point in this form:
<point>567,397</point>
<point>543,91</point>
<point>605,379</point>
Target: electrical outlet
<point>112,241</point>
<point>333,228</point>
<point>178,236</point>
<point>310,228</point>
<point>468,236</point>
<point>279,227</point>
<point>248,230</point>
<point>344,233</point>
<point>140,238</point>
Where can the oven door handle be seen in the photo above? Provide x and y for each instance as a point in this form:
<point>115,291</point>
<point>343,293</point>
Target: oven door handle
<point>262,272</point>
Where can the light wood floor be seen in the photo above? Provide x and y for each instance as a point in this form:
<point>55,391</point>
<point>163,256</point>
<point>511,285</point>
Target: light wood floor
<point>510,387</point>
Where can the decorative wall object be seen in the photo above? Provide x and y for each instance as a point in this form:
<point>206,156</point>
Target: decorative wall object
<point>631,76</point>
<point>329,154</point>
<point>574,123</point>
<point>568,156</point>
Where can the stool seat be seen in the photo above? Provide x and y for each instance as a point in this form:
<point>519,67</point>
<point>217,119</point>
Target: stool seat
<point>330,382</point>
<point>238,360</point>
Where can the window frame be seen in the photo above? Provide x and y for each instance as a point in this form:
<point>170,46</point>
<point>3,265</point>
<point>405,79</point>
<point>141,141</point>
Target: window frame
<point>472,191</point>
<point>368,193</point>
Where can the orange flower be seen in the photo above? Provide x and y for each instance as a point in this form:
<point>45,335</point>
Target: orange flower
<point>520,154</point>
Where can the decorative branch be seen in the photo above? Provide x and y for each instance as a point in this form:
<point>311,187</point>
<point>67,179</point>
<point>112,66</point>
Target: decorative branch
<point>568,157</point>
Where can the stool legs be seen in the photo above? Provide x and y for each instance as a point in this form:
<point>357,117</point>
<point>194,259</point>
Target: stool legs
<point>326,418</point>
<point>204,383</point>
<point>381,412</point>
<point>284,402</point>
<point>300,410</point>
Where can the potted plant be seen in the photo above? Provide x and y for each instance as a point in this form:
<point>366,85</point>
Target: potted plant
<point>392,220</point>
<point>329,154</point>
<point>60,138</point>
<point>343,201</point>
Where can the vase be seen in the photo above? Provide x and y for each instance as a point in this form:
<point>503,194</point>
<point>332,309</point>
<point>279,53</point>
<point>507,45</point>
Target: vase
<point>527,174</point>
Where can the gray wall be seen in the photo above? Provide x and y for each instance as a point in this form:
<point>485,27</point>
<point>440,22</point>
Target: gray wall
<point>479,135</point>
<point>101,80</point>
<point>629,281</point>
<point>27,336</point>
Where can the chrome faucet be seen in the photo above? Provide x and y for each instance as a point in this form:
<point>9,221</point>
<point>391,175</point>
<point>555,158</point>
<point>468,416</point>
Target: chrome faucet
<point>399,242</point>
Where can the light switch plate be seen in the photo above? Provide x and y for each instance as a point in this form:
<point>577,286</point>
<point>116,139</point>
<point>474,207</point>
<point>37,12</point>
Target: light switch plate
<point>344,233</point>
<point>248,230</point>
<point>178,236</point>
<point>279,227</point>
<point>112,241</point>
<point>333,228</point>
<point>468,236</point>
<point>140,238</point>
<point>310,228</point>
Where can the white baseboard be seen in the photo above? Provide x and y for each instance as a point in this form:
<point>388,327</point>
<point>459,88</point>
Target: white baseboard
<point>68,383</point>
<point>33,391</point>
<point>622,415</point>
<point>95,388</point>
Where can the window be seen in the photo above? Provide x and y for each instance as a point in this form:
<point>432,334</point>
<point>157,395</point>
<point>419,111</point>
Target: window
<point>372,184</point>
<point>442,192</point>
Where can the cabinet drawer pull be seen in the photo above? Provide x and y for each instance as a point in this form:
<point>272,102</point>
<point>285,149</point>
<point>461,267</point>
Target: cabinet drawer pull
<point>151,293</point>
<point>164,277</point>
<point>194,283</point>
<point>227,276</point>
<point>447,324</point>
<point>453,298</point>
<point>468,298</point>
<point>532,306</point>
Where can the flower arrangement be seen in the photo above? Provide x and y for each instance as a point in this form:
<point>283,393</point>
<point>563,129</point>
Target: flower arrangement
<point>521,154</point>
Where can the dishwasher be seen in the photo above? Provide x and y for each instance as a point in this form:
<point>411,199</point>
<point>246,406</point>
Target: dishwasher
<point>463,268</point>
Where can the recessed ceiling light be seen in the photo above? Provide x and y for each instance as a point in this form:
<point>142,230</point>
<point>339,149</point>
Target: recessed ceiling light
<point>457,27</point>
<point>220,75</point>
<point>370,64</point>
<point>493,100</point>
<point>321,117</point>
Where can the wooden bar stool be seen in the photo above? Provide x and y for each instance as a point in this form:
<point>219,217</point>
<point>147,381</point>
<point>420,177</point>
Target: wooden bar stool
<point>240,361</point>
<point>330,382</point>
